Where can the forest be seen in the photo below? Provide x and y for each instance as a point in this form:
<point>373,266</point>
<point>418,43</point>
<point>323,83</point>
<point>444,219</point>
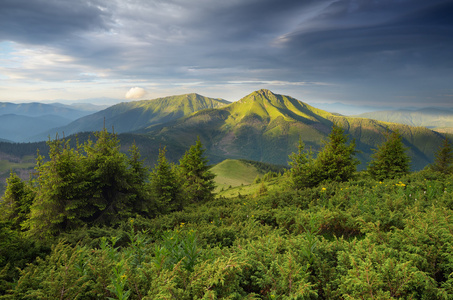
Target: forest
<point>94,223</point>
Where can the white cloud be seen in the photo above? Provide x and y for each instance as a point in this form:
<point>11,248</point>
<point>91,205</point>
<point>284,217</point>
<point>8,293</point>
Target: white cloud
<point>135,93</point>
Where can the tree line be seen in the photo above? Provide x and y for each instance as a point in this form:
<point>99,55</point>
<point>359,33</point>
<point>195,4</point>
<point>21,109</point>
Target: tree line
<point>336,161</point>
<point>96,184</point>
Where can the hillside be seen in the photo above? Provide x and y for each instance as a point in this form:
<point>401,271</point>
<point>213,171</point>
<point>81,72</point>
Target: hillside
<point>131,116</point>
<point>265,127</point>
<point>232,172</point>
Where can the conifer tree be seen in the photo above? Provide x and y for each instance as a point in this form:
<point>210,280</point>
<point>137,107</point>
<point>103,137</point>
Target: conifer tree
<point>60,191</point>
<point>390,159</point>
<point>165,185</point>
<point>16,202</point>
<point>336,160</point>
<point>443,162</point>
<point>301,172</point>
<point>116,188</point>
<point>197,180</point>
<point>96,184</point>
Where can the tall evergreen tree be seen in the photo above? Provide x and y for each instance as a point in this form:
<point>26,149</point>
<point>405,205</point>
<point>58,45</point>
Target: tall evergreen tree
<point>165,185</point>
<point>16,202</point>
<point>96,184</point>
<point>60,191</point>
<point>336,160</point>
<point>197,180</point>
<point>444,159</point>
<point>390,159</point>
<point>116,187</point>
<point>302,168</point>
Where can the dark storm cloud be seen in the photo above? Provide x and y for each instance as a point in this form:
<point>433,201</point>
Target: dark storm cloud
<point>42,21</point>
<point>392,45</point>
<point>355,36</point>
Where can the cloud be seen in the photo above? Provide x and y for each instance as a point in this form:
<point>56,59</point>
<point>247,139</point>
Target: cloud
<point>42,21</point>
<point>135,93</point>
<point>378,46</point>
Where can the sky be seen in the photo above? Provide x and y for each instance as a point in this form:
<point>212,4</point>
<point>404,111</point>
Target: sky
<point>358,52</point>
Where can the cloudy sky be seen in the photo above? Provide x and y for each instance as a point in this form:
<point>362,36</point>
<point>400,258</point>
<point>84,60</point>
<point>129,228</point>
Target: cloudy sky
<point>374,52</point>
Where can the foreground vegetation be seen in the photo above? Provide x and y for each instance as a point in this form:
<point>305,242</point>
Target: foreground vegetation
<point>354,236</point>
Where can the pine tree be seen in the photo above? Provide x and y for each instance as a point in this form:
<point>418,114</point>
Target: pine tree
<point>336,160</point>
<point>444,159</point>
<point>165,185</point>
<point>390,159</point>
<point>198,180</point>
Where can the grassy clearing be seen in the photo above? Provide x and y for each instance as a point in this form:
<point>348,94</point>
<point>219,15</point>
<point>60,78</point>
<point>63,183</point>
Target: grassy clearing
<point>234,173</point>
<point>6,166</point>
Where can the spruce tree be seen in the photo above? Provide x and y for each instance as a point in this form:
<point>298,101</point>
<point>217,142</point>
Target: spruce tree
<point>165,185</point>
<point>336,160</point>
<point>60,191</point>
<point>93,184</point>
<point>16,202</point>
<point>443,162</point>
<point>117,189</point>
<point>197,180</point>
<point>390,159</point>
<point>301,172</point>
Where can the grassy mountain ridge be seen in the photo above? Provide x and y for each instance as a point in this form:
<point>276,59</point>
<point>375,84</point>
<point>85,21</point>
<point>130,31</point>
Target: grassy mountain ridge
<point>265,127</point>
<point>131,116</point>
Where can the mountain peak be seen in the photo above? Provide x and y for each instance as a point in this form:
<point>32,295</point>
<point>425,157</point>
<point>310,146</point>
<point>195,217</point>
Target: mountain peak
<point>265,92</point>
<point>262,96</point>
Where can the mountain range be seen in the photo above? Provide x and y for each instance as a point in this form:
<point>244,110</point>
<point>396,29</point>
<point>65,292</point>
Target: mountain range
<point>262,126</point>
<point>22,122</point>
<point>433,118</point>
<point>132,116</point>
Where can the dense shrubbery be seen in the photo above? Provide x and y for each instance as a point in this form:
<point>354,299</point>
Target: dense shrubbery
<point>358,239</point>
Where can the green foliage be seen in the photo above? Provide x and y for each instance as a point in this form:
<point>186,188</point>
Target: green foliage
<point>93,184</point>
<point>165,185</point>
<point>16,202</point>
<point>355,239</point>
<point>390,159</point>
<point>302,168</point>
<point>336,160</point>
<point>444,159</point>
<point>198,180</point>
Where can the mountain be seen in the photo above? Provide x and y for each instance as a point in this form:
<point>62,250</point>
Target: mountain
<point>426,117</point>
<point>131,116</point>
<point>18,128</point>
<point>266,127</point>
<point>35,109</point>
<point>262,126</point>
<point>88,107</point>
<point>20,121</point>
<point>348,109</point>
